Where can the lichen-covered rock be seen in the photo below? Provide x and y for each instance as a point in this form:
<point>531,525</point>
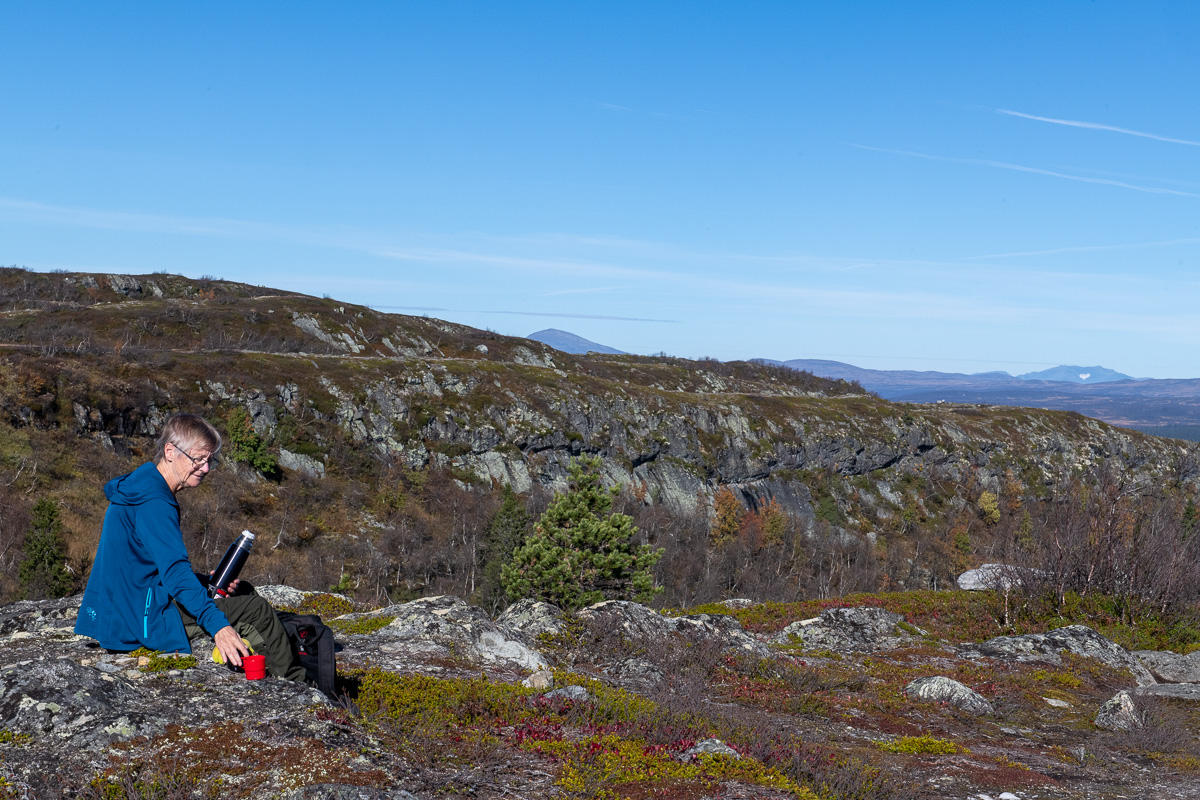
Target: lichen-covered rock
<point>575,694</point>
<point>70,701</point>
<point>542,680</point>
<point>1077,639</point>
<point>638,673</point>
<point>63,700</point>
<point>709,747</point>
<point>532,618</point>
<point>641,624</point>
<point>1168,667</point>
<point>297,462</point>
<point>989,576</point>
<point>939,689</point>
<point>1174,691</point>
<point>282,596</point>
<point>447,626</point>
<point>1119,713</point>
<point>40,616</point>
<point>847,630</point>
<point>125,284</point>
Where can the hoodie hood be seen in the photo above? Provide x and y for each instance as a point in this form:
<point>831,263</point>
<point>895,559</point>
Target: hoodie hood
<point>142,485</point>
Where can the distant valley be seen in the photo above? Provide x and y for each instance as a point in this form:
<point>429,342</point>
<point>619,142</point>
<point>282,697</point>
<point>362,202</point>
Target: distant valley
<point>1162,407</point>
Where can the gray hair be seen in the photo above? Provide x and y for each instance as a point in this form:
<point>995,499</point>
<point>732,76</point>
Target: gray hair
<point>186,431</point>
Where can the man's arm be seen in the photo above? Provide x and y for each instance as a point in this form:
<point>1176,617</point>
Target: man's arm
<point>158,527</point>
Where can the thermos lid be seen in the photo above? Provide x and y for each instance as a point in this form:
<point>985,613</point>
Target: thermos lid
<point>248,534</point>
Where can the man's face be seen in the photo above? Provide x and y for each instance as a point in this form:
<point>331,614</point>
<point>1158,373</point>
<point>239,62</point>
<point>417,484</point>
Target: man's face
<point>192,465</point>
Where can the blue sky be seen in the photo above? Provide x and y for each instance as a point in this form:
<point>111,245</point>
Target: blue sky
<point>950,186</point>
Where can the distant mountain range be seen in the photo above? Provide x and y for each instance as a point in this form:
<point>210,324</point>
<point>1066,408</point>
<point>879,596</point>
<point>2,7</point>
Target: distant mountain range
<point>1076,375</point>
<point>1163,407</point>
<point>568,342</point>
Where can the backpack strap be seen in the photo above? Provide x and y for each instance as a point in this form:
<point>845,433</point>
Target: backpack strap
<point>326,661</point>
<point>312,643</point>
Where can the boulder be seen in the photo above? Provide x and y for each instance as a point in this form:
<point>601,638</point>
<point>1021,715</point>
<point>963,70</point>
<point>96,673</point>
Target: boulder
<point>1174,691</point>
<point>709,747</point>
<point>125,284</point>
<point>856,630</point>
<point>532,618</point>
<point>1168,667</point>
<point>297,462</point>
<point>575,694</point>
<point>1077,639</point>
<point>1119,713</point>
<point>989,576</point>
<point>446,626</point>
<point>281,596</point>
<point>541,680</point>
<point>939,689</point>
<point>638,673</point>
<point>641,624</point>
<point>84,706</point>
<point>40,616</point>
<point>66,703</point>
<point>71,701</point>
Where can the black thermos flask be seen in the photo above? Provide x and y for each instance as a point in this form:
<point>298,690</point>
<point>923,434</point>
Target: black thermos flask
<point>231,564</point>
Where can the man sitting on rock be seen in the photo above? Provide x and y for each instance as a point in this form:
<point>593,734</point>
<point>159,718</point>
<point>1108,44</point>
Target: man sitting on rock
<point>142,592</point>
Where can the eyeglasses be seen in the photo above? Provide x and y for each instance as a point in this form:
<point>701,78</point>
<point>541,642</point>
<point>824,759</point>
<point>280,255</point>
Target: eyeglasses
<point>211,460</point>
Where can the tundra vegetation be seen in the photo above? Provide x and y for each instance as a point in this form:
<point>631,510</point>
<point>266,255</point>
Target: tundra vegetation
<point>387,458</point>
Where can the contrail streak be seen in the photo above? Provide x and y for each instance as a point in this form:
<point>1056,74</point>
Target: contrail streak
<point>1020,168</point>
<point>1096,126</point>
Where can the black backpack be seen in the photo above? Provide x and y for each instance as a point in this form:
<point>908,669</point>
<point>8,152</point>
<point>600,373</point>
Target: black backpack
<point>312,644</point>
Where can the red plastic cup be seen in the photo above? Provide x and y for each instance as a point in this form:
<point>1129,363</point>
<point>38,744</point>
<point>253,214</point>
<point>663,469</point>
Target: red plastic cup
<point>255,667</point>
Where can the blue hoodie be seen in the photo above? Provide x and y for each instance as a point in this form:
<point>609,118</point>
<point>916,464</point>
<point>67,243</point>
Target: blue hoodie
<point>141,564</point>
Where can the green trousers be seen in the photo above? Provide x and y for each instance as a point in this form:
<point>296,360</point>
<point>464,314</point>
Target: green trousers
<point>255,621</point>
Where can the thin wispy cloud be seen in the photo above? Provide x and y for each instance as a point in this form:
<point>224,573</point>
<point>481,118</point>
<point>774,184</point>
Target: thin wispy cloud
<point>556,265</point>
<point>410,308</point>
<point>577,316</point>
<point>523,313</point>
<point>77,216</point>
<point>981,162</point>
<point>1096,126</point>
<point>584,291</point>
<point>1082,249</point>
<point>357,241</point>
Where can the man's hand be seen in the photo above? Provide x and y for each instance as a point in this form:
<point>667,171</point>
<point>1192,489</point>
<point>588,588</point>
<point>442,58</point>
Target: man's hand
<point>233,584</point>
<point>231,645</point>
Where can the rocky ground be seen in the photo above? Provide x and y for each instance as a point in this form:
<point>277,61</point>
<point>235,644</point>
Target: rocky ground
<point>440,700</point>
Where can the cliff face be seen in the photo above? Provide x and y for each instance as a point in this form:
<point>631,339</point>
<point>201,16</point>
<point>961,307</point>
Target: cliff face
<point>107,357</point>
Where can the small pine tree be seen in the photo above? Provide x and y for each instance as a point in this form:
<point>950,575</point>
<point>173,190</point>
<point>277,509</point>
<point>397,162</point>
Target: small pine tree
<point>579,552</point>
<point>43,569</point>
<point>245,446</point>
<point>989,508</point>
<point>505,533</point>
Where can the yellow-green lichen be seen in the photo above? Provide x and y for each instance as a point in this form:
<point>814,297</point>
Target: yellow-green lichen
<point>922,745</point>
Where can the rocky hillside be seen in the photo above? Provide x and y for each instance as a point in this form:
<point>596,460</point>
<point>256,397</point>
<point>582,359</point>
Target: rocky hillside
<point>356,401</point>
<point>438,699</point>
